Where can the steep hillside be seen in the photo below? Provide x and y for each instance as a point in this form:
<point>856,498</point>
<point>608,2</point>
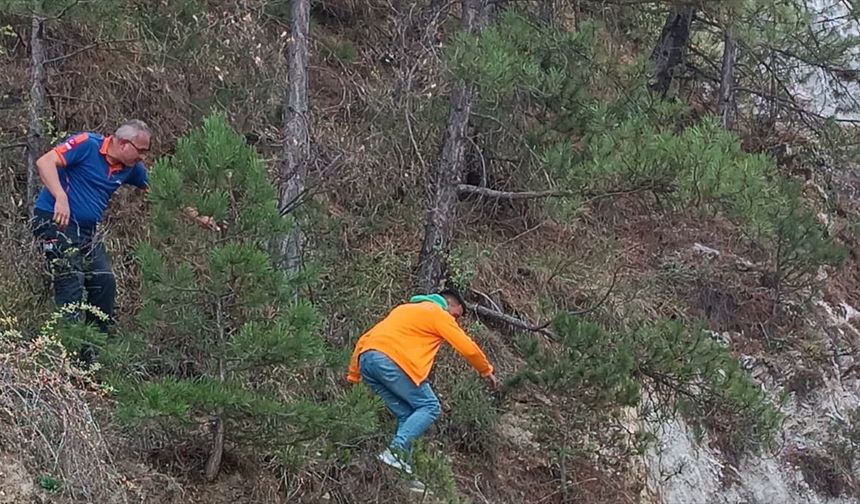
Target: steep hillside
<point>660,253</point>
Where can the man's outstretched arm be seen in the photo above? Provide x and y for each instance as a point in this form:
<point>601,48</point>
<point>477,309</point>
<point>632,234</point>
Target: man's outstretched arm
<point>464,345</point>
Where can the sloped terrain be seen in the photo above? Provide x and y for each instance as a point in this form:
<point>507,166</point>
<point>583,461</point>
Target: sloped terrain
<point>379,96</point>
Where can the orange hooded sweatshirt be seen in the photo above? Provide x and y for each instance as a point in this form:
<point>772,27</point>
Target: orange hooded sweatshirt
<point>411,336</point>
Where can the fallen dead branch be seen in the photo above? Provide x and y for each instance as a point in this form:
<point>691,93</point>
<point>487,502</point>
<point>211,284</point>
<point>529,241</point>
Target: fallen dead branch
<point>542,328</point>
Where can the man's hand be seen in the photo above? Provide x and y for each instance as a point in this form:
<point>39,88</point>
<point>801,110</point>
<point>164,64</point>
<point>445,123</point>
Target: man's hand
<point>62,212</point>
<point>204,221</point>
<point>492,381</point>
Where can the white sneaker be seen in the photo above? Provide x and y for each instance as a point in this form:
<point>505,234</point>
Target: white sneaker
<point>389,458</point>
<point>417,487</point>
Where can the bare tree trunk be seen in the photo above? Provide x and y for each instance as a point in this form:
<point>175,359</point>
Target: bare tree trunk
<point>448,169</point>
<point>548,12</point>
<point>216,453</point>
<point>296,134</point>
<point>36,109</point>
<point>671,49</point>
<point>213,463</point>
<point>726,99</point>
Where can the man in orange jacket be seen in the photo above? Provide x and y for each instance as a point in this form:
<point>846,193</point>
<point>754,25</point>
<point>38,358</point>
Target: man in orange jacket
<point>394,359</point>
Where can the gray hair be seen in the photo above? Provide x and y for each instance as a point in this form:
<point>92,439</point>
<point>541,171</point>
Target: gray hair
<point>131,128</point>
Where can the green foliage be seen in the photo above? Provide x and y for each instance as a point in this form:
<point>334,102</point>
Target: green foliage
<point>517,65</point>
<point>217,317</point>
<point>703,166</point>
<point>461,269</point>
<point>434,470</point>
<point>75,335</point>
<point>691,373</point>
<point>515,55</point>
<point>807,40</point>
<point>472,405</point>
<point>70,10</point>
<point>50,484</point>
<point>473,417</point>
<point>589,123</point>
<point>67,327</point>
<point>799,243</point>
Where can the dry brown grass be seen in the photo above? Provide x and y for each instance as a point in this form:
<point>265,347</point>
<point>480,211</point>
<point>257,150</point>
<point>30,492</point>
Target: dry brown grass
<point>375,115</point>
<point>45,418</point>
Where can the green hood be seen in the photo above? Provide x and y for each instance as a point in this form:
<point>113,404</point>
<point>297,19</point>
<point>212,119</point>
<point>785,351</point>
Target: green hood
<point>433,298</point>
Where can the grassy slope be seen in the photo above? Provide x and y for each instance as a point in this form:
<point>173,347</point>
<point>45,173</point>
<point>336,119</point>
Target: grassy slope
<point>367,243</point>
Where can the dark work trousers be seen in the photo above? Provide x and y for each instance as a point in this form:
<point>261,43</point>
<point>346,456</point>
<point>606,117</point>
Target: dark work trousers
<point>78,263</point>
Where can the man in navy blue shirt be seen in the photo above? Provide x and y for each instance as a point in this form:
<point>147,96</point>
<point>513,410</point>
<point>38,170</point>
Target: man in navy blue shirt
<point>80,176</point>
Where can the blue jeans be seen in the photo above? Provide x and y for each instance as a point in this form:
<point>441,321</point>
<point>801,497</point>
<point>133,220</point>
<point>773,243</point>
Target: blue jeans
<point>78,263</point>
<point>414,406</point>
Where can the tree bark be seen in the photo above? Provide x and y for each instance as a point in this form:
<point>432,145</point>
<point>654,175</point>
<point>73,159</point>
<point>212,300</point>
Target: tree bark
<point>294,167</point>
<point>213,463</point>
<point>510,195</point>
<point>548,12</point>
<point>726,98</point>
<point>36,109</point>
<point>216,453</point>
<point>671,49</point>
<point>449,167</point>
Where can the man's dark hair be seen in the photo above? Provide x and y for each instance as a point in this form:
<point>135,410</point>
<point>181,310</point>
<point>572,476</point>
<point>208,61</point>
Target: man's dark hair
<point>453,293</point>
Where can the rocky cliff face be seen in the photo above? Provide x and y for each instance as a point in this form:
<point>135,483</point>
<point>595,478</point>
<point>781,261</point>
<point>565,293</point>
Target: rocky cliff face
<point>815,459</point>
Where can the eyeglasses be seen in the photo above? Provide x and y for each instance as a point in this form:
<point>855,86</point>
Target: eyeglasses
<point>138,149</point>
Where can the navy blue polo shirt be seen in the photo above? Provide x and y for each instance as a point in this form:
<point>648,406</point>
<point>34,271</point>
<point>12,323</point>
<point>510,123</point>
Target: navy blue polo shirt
<point>88,179</point>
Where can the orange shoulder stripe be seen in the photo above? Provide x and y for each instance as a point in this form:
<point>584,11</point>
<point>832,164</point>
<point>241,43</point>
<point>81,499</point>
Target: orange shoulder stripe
<point>69,145</point>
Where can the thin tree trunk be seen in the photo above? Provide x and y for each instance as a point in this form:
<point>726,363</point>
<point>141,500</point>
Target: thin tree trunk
<point>548,12</point>
<point>216,453</point>
<point>213,463</point>
<point>774,105</point>
<point>726,99</point>
<point>296,134</point>
<point>448,169</point>
<point>671,49</point>
<point>36,109</point>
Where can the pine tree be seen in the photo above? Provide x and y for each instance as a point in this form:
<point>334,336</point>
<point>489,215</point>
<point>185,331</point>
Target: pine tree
<point>585,122</point>
<point>216,312</point>
<point>603,369</point>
